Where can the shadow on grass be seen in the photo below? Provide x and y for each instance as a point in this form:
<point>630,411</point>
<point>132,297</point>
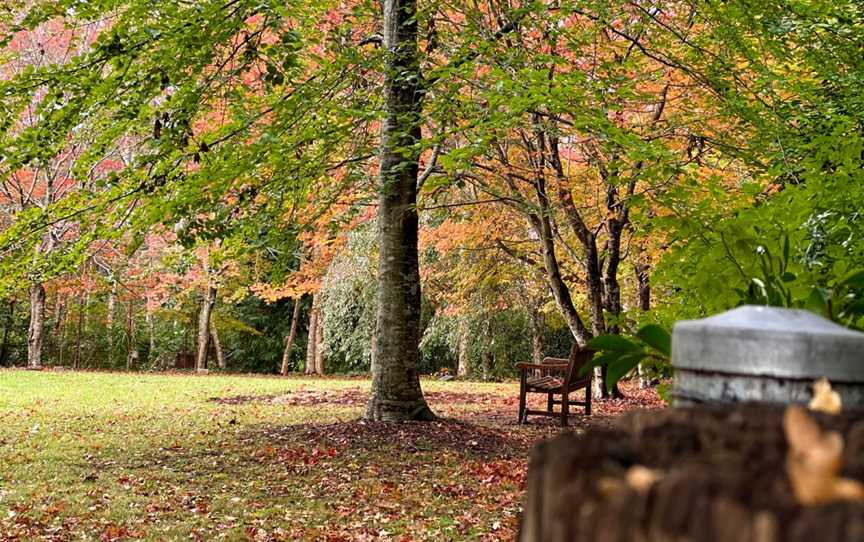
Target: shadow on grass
<point>405,438</point>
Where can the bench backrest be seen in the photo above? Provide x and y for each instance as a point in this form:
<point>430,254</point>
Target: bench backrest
<point>578,358</point>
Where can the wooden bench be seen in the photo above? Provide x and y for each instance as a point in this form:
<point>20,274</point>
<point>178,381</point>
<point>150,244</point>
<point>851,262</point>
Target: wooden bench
<point>557,378</point>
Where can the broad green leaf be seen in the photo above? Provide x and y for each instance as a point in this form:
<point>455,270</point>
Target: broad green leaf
<point>657,338</point>
<point>600,359</point>
<point>620,367</point>
<point>611,342</point>
<point>854,279</point>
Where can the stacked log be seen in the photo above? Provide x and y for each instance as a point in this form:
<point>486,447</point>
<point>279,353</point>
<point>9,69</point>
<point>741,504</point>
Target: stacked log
<point>717,474</point>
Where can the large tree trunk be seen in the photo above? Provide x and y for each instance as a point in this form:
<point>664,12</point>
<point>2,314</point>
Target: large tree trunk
<point>204,328</point>
<point>4,347</point>
<point>289,341</point>
<point>372,353</point>
<point>312,342</point>
<point>464,366</point>
<point>396,393</point>
<point>36,332</point>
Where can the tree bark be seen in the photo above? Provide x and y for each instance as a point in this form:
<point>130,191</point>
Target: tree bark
<point>131,345</point>
<point>542,225</point>
<point>289,340</point>
<point>319,342</point>
<point>4,347</point>
<point>538,328</point>
<point>151,335</point>
<point>643,288</point>
<point>603,289</point>
<point>35,334</point>
<point>396,394</point>
<point>59,316</point>
<point>643,298</point>
<point>82,309</point>
<point>109,318</point>
<point>217,346</point>
<point>204,328</point>
<point>372,353</point>
<point>312,342</point>
<point>464,366</point>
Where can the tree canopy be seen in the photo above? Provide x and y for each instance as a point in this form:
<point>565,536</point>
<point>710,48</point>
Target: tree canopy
<point>537,170</point>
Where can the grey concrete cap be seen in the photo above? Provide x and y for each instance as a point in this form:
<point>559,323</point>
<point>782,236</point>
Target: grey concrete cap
<point>769,341</point>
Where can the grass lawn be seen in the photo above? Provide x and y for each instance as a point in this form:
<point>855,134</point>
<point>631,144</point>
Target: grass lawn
<point>111,456</point>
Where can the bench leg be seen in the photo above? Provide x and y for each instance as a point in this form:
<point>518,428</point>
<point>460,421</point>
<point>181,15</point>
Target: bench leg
<point>523,417</point>
<point>549,404</point>
<point>588,399</point>
<point>565,408</point>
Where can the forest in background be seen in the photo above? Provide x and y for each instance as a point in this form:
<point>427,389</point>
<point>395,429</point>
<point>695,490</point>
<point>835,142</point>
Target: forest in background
<point>186,183</point>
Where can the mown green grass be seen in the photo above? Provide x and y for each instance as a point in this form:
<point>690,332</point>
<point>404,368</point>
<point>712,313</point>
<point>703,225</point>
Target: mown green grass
<point>111,456</point>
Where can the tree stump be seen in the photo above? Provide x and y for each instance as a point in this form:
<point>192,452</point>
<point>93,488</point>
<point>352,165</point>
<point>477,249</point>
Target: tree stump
<point>722,478</point>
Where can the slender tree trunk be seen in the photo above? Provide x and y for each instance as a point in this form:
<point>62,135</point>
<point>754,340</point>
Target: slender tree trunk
<point>56,339</point>
<point>312,342</point>
<point>132,343</point>
<point>593,267</point>
<point>4,347</point>
<point>542,225</point>
<point>151,335</point>
<point>396,393</point>
<point>488,360</point>
<point>643,288</point>
<point>109,319</point>
<point>611,286</point>
<point>204,328</point>
<point>538,330</point>
<point>464,366</point>
<point>217,345</point>
<point>36,332</point>
<point>289,340</point>
<point>319,345</point>
<point>82,310</point>
<point>64,330</point>
<point>643,297</point>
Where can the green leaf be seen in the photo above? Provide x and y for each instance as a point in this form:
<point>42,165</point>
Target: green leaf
<point>615,343</point>
<point>818,301</point>
<point>657,338</point>
<point>604,358</point>
<point>854,279</point>
<point>620,367</point>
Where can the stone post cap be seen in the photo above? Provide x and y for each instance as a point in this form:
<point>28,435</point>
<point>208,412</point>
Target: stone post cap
<point>769,341</point>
